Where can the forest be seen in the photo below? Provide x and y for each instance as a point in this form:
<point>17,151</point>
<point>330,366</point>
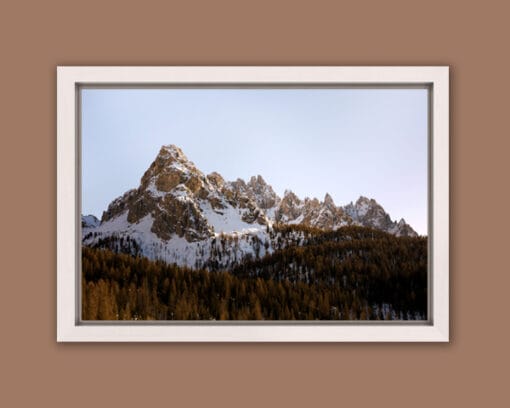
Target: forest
<point>353,273</point>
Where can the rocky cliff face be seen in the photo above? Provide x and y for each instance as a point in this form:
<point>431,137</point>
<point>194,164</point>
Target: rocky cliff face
<point>177,212</point>
<point>326,215</point>
<point>311,212</point>
<point>168,193</point>
<point>290,209</point>
<point>262,193</point>
<point>182,201</point>
<point>368,213</point>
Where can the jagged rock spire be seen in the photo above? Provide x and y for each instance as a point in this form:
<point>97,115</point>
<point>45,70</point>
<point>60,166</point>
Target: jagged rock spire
<point>328,200</point>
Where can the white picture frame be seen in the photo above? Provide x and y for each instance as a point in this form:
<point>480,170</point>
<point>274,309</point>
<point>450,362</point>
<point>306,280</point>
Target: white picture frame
<point>69,327</point>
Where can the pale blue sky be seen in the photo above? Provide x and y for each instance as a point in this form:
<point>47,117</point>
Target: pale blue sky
<point>346,142</point>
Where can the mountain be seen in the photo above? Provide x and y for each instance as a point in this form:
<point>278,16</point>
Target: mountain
<point>89,221</point>
<point>311,212</point>
<point>368,213</point>
<point>180,215</point>
<point>177,212</point>
<point>176,199</point>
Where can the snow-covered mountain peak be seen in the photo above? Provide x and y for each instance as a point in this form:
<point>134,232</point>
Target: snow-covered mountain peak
<point>171,170</point>
<point>368,212</point>
<point>176,206</point>
<point>289,209</point>
<point>262,193</point>
<point>365,202</point>
<point>175,199</point>
<point>172,151</point>
<point>89,221</point>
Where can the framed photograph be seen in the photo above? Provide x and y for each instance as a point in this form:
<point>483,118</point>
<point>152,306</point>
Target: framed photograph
<point>253,204</point>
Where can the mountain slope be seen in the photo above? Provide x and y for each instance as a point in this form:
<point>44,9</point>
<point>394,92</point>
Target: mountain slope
<point>352,273</point>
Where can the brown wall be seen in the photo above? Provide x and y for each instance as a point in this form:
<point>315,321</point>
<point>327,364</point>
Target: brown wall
<point>473,39</point>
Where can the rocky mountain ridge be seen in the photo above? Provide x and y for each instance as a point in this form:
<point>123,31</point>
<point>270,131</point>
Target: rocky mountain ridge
<point>177,212</point>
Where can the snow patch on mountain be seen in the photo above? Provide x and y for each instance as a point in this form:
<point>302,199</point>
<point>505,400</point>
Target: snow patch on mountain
<point>228,220</point>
